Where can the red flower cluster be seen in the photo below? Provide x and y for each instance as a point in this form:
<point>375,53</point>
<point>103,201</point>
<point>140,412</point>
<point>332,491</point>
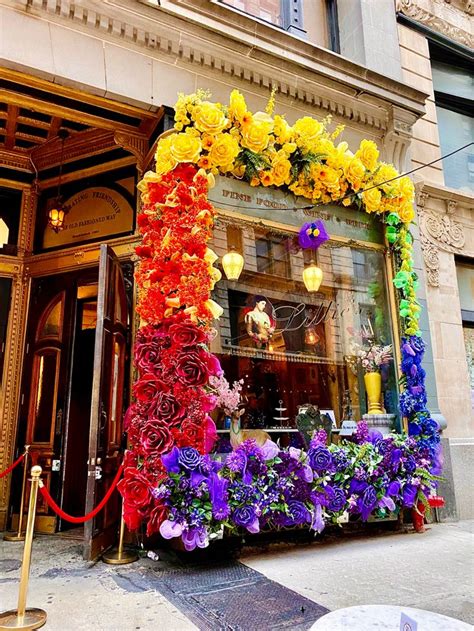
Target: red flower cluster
<point>176,225</point>
<point>172,406</point>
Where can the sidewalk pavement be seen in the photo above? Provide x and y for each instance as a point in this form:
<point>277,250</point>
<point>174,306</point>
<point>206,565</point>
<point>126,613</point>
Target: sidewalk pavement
<point>434,571</point>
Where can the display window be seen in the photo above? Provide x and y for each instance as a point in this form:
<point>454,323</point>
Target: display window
<point>292,347</point>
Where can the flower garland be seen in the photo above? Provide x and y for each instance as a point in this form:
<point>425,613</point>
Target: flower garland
<point>174,393</point>
<point>267,488</point>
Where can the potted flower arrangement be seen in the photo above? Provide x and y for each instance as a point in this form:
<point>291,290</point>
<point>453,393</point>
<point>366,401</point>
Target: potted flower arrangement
<point>372,358</point>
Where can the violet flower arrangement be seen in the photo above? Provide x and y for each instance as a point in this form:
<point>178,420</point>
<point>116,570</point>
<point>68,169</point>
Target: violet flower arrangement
<point>268,488</point>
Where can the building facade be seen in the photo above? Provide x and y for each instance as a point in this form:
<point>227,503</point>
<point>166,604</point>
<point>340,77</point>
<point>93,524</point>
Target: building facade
<point>436,54</point>
<point>87,87</point>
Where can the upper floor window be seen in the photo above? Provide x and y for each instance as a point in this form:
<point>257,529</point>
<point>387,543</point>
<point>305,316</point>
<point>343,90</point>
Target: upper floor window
<point>453,83</point>
<point>313,20</point>
<point>272,256</point>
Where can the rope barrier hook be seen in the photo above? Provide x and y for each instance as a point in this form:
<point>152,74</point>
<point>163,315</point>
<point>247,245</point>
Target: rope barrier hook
<point>23,618</point>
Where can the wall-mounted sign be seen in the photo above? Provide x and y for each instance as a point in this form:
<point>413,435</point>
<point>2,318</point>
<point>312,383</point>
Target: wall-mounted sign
<point>93,214</point>
<point>274,204</point>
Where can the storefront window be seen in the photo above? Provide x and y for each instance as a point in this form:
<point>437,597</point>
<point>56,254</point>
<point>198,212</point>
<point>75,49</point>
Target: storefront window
<point>291,347</point>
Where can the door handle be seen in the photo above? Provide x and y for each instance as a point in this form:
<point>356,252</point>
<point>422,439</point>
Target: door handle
<point>59,422</point>
<point>98,473</point>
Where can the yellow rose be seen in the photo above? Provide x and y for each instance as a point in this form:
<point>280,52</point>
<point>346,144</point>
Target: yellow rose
<point>281,168</point>
<point>406,213</point>
<point>165,161</point>
<point>354,172</point>
<point>406,188</point>
<point>209,118</point>
<point>386,172</point>
<point>266,178</point>
<point>372,199</point>
<point>307,129</point>
<point>224,150</point>
<point>185,148</point>
<point>237,105</point>
<point>368,154</point>
<point>255,136</point>
<point>282,130</point>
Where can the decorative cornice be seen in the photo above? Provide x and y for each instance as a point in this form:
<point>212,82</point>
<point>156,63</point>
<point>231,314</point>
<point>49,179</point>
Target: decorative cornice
<point>441,17</point>
<point>15,159</point>
<point>300,71</point>
<point>136,145</point>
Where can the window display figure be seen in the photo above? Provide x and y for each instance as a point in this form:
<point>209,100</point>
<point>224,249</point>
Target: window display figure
<point>258,323</point>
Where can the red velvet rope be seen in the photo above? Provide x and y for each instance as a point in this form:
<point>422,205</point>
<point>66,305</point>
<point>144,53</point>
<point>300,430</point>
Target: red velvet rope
<point>11,467</point>
<point>80,520</point>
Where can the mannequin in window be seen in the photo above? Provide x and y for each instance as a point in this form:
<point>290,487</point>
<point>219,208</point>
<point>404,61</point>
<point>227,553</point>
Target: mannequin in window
<point>258,324</point>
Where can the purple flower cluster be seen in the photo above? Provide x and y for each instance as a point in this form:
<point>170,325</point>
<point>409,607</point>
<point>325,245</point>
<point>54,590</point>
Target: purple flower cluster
<point>413,400</point>
<point>265,487</point>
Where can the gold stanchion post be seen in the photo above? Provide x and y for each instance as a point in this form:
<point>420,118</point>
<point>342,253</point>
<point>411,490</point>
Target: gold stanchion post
<point>23,618</point>
<point>20,536</point>
<point>120,556</point>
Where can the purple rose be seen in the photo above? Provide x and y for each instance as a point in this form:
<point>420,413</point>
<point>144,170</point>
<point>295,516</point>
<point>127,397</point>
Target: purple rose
<point>338,499</point>
<point>246,517</point>
<point>189,458</point>
<point>320,458</point>
<point>367,502</point>
<point>299,514</point>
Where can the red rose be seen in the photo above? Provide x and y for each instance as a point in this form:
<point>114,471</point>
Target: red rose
<point>187,334</point>
<point>131,516</point>
<point>167,408</point>
<point>157,516</point>
<point>191,435</point>
<point>147,387</point>
<point>147,356</point>
<point>135,489</point>
<point>192,370</point>
<point>155,437</point>
<point>130,459</point>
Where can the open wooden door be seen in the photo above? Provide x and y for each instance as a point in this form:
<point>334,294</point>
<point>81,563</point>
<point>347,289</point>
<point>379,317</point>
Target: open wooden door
<point>107,404</point>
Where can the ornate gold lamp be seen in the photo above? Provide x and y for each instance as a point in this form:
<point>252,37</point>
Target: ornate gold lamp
<point>312,277</point>
<point>57,212</point>
<point>233,264</point>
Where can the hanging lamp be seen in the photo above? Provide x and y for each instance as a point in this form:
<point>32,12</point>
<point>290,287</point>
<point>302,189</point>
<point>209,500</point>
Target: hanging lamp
<point>57,211</point>
<point>232,264</point>
<point>312,277</point>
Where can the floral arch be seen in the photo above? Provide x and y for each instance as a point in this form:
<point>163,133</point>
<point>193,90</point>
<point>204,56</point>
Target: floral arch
<point>170,484</point>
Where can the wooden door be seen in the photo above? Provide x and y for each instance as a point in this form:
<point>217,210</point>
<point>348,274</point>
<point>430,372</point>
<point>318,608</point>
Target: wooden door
<point>43,400</point>
<point>107,403</point>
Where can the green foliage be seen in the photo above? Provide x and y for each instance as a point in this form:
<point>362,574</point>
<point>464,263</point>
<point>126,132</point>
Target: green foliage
<point>253,162</point>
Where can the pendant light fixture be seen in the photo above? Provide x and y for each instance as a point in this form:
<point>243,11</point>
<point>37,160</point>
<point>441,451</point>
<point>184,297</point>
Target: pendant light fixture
<point>233,264</point>
<point>57,211</point>
<point>312,277</point>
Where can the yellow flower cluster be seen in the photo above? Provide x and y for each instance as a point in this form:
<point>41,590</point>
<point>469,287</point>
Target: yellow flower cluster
<point>268,151</point>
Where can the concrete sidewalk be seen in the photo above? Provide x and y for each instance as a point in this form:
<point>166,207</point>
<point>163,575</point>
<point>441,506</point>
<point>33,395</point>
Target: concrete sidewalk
<point>433,571</point>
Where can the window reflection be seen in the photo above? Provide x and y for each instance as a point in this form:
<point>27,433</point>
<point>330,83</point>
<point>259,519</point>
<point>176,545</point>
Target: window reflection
<point>44,402</point>
<point>299,348</point>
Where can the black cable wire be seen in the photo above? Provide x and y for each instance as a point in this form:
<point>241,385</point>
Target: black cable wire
<point>353,194</point>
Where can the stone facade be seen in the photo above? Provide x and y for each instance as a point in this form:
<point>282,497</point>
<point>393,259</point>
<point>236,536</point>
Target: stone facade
<point>143,52</point>
<point>446,226</point>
